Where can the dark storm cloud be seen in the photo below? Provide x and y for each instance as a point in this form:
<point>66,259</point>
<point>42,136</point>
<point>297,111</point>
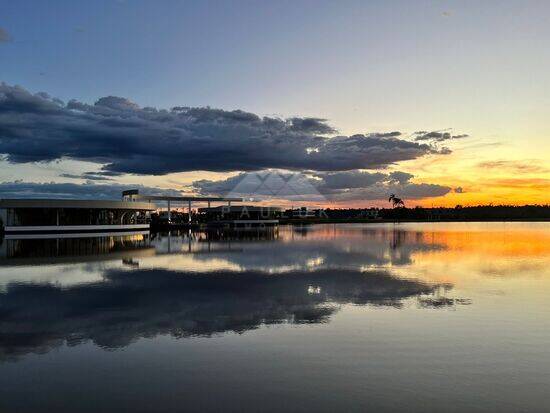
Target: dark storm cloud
<point>393,134</point>
<point>225,186</point>
<point>4,36</point>
<point>349,179</point>
<point>131,304</point>
<point>263,185</point>
<point>437,136</point>
<point>19,189</point>
<point>311,125</point>
<point>123,137</point>
<point>400,177</point>
<point>334,186</point>
<point>380,188</point>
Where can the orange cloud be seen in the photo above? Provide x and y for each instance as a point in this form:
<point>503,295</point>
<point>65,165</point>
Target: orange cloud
<point>527,166</point>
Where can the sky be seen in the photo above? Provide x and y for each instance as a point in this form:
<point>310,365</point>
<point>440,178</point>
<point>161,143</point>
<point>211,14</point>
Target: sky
<point>440,102</point>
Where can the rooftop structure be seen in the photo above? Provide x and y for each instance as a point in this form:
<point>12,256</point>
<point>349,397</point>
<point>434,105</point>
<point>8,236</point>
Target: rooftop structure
<point>253,209</point>
<point>133,195</point>
<point>39,216</point>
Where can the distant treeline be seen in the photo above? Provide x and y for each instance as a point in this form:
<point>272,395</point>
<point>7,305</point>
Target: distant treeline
<point>458,213</point>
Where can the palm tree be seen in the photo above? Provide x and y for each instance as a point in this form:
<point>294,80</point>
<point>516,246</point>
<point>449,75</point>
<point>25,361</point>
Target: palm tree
<point>397,202</point>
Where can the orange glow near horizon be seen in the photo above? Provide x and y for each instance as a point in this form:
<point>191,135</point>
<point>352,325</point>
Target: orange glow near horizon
<point>454,253</point>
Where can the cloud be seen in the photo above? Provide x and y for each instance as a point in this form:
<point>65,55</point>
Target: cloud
<point>349,179</point>
<point>311,125</point>
<point>263,184</point>
<point>459,190</point>
<point>94,176</point>
<point>530,166</point>
<point>437,136</point>
<point>123,137</point>
<point>4,36</point>
<point>382,190</point>
<point>19,189</point>
<point>541,184</point>
<point>334,186</point>
<point>131,304</point>
<point>399,177</point>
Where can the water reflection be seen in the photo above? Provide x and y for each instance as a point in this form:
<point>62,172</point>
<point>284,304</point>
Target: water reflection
<point>327,317</point>
<point>181,241</point>
<point>113,290</point>
<point>375,247</point>
<point>33,250</point>
<point>321,247</point>
<point>130,304</point>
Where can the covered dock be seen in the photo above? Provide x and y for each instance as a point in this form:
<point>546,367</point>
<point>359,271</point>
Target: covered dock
<point>134,196</point>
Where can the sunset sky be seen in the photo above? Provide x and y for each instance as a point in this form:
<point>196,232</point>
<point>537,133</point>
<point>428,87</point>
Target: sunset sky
<point>440,102</point>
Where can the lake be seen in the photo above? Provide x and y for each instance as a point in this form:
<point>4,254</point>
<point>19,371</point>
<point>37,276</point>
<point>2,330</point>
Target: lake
<point>349,317</point>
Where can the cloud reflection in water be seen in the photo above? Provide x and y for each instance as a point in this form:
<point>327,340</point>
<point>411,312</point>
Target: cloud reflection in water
<point>136,303</point>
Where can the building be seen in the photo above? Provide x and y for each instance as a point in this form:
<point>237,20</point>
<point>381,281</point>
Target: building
<point>241,217</point>
<point>39,216</point>
<point>240,212</point>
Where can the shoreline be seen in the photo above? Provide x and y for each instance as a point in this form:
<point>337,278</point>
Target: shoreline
<point>314,221</point>
<point>400,221</point>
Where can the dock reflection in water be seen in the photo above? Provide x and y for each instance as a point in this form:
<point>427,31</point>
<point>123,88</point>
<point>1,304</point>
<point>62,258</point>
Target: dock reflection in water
<point>341,306</point>
<point>76,245</point>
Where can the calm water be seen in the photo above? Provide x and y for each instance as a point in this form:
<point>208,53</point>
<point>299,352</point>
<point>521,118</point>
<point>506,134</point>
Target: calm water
<point>409,317</point>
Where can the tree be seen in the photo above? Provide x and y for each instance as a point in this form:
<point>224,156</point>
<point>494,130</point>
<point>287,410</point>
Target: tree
<point>397,202</point>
